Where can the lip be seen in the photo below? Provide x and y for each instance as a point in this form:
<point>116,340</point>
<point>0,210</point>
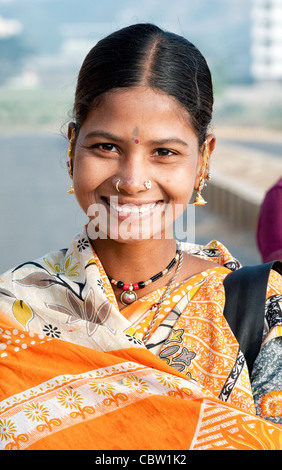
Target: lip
<point>127,208</point>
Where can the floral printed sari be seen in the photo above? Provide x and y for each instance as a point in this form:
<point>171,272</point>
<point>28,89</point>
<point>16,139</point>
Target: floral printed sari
<point>76,374</point>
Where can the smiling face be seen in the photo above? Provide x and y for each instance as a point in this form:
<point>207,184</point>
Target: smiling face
<point>136,135</point>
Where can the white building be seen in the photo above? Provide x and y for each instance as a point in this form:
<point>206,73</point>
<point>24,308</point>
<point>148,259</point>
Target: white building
<point>266,40</point>
<point>9,28</point>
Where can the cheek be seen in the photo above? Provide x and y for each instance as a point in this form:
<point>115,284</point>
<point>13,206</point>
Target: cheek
<point>181,184</point>
<point>84,198</point>
<point>183,189</point>
<point>85,178</point>
<point>84,185</point>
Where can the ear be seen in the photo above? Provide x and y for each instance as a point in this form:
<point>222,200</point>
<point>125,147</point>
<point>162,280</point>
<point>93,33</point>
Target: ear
<point>71,126</point>
<point>210,139</point>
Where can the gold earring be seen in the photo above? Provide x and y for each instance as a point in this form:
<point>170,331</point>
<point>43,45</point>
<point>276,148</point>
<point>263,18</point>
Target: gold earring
<point>69,163</point>
<point>199,200</point>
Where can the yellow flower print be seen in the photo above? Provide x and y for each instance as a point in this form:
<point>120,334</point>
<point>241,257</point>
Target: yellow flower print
<point>36,412</point>
<point>7,429</point>
<point>70,399</point>
<point>102,388</point>
<point>168,380</point>
<point>67,268</point>
<point>135,383</point>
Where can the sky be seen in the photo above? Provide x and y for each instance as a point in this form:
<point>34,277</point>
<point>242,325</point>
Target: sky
<point>219,28</point>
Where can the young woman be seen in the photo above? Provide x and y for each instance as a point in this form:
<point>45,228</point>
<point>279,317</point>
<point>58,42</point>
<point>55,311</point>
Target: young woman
<point>120,342</point>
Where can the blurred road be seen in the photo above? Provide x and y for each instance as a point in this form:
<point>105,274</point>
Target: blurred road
<point>37,215</point>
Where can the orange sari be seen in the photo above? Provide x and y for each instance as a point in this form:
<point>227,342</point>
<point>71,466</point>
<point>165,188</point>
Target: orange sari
<point>77,375</point>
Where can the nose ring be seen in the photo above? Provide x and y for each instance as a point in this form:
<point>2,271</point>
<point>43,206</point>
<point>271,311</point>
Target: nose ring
<point>147,184</point>
<point>117,188</point>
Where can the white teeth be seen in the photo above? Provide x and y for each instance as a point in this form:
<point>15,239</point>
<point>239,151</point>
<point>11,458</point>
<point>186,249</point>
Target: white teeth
<point>131,208</point>
<point>126,209</point>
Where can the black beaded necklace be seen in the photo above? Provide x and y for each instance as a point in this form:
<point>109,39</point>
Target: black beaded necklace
<point>129,295</point>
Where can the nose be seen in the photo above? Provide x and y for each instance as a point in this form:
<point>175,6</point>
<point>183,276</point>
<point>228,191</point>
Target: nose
<point>133,177</point>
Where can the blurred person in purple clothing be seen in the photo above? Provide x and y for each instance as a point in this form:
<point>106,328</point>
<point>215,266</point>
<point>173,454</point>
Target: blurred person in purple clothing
<point>269,228</point>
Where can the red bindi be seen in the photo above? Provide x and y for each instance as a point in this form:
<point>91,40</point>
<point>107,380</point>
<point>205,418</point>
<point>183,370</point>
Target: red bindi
<point>136,141</point>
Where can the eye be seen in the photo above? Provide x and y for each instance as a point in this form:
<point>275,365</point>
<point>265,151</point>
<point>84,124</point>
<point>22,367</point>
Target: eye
<point>161,152</point>
<point>106,147</point>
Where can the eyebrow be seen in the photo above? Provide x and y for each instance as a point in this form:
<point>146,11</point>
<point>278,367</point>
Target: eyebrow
<point>108,135</point>
<point>172,140</point>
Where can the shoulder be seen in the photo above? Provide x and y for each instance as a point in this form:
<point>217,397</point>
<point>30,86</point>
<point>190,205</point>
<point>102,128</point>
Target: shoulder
<point>69,261</point>
<point>271,203</point>
<point>35,273</point>
<point>49,260</point>
<point>213,258</point>
<point>276,188</point>
<point>215,252</point>
<point>274,284</point>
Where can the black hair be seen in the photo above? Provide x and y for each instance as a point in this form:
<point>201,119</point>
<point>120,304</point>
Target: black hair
<point>144,54</point>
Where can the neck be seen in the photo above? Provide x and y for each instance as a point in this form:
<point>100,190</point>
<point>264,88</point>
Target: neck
<point>134,262</point>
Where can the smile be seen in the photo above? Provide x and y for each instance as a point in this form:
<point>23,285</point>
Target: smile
<point>130,209</point>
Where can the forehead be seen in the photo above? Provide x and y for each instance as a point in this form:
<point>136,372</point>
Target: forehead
<point>140,107</point>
